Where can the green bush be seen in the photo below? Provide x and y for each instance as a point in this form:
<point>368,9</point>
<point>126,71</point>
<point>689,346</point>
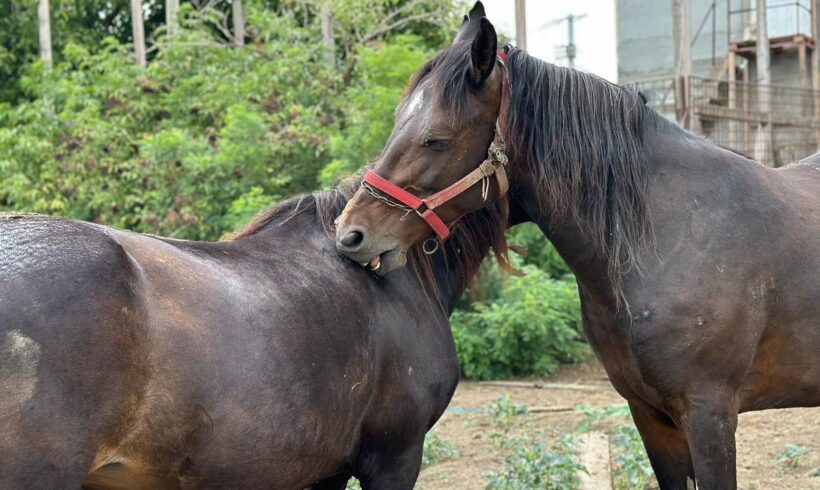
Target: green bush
<point>531,327</point>
<point>534,465</point>
<point>540,252</point>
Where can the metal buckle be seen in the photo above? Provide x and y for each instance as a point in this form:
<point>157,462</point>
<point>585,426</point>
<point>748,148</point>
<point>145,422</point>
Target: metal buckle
<point>426,248</point>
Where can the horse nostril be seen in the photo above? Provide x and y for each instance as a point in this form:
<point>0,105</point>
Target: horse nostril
<point>352,238</point>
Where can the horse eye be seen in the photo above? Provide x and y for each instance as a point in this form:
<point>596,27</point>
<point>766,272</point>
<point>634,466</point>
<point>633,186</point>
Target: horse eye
<point>436,144</point>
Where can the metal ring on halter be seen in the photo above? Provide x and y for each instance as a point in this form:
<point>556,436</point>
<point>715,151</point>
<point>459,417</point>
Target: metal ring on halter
<point>426,248</point>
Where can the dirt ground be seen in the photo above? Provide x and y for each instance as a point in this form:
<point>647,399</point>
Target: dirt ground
<point>761,436</point>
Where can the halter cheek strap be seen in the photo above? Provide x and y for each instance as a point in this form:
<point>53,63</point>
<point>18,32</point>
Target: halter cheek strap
<point>494,164</point>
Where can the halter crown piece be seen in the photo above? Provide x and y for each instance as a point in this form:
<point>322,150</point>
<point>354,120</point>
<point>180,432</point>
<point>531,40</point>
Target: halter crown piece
<point>394,196</point>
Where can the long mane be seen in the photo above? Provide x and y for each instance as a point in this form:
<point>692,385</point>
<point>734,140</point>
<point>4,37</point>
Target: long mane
<point>581,139</point>
<point>463,252</point>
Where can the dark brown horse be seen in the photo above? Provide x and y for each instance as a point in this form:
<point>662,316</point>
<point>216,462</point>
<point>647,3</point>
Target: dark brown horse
<point>265,361</point>
<point>698,269</point>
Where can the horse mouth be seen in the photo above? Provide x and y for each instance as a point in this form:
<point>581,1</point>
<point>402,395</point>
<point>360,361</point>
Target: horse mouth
<point>385,262</point>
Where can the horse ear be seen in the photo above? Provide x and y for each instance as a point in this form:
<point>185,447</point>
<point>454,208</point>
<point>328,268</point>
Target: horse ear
<point>470,23</point>
<point>483,52</point>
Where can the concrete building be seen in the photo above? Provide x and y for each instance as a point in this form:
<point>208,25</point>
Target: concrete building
<point>776,123</point>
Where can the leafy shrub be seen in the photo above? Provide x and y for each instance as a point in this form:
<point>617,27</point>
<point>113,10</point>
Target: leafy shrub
<point>593,416</point>
<point>531,327</point>
<point>533,465</point>
<point>540,252</point>
<point>632,468</point>
<point>437,450</point>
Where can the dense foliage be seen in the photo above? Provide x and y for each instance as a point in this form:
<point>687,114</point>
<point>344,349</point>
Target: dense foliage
<point>521,325</point>
<point>210,133</point>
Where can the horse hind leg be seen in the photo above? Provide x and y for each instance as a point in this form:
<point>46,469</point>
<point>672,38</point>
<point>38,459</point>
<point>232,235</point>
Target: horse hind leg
<point>667,448</point>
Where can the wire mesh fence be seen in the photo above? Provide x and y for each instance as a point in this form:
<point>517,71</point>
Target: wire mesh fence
<point>773,124</point>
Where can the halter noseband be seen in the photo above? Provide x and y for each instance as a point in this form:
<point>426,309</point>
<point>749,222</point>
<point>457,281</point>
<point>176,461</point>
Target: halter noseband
<point>495,163</point>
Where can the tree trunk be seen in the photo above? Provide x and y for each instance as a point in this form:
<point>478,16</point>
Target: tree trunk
<point>44,28</point>
<point>171,23</point>
<point>138,31</point>
<point>327,33</point>
<point>238,23</point>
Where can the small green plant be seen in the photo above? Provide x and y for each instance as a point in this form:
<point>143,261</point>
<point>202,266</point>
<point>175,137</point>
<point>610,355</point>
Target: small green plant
<point>437,450</point>
<point>633,470</point>
<point>353,484</point>
<point>815,473</point>
<point>790,457</point>
<point>504,411</point>
<point>533,465</point>
<point>593,416</point>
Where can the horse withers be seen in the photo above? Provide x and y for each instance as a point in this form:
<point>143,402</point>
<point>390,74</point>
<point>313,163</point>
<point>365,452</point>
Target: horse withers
<point>698,269</point>
<point>264,361</point>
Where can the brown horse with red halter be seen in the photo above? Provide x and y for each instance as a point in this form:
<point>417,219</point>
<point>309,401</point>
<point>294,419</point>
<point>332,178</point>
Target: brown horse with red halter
<point>394,196</point>
<point>698,269</point>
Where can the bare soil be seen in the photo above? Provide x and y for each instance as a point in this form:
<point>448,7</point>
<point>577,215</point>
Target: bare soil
<point>761,436</point>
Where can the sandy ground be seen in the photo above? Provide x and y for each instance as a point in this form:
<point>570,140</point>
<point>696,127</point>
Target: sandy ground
<point>761,436</point>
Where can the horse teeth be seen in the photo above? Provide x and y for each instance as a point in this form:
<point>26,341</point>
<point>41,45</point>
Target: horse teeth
<point>363,264</point>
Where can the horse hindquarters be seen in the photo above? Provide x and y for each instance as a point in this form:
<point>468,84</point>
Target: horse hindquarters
<point>68,334</point>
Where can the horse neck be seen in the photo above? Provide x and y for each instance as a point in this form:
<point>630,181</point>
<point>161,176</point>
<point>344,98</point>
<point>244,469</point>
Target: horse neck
<point>590,268</point>
<point>449,282</point>
<point>677,162</point>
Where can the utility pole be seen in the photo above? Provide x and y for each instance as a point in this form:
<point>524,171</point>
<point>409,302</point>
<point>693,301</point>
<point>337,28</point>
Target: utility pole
<point>683,59</point>
<point>570,49</point>
<point>521,24</point>
<point>138,31</point>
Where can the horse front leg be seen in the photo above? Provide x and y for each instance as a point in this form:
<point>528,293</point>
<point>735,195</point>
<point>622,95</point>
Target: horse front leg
<point>710,422</point>
<point>666,446</point>
<point>384,470</point>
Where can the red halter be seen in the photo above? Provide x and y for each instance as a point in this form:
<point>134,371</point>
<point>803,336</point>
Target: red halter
<point>425,207</point>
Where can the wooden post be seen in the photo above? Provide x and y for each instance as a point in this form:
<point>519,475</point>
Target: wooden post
<point>521,24</point>
<point>171,22</point>
<point>732,81</point>
<point>764,80</point>
<point>746,127</point>
<point>44,31</point>
<point>683,57</point>
<point>815,73</point>
<point>804,87</point>
<point>238,23</point>
<point>138,31</point>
